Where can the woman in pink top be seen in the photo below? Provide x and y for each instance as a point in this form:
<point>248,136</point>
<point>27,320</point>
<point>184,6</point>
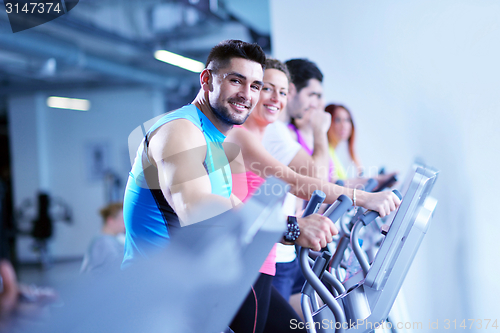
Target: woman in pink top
<point>244,185</point>
<point>265,310</point>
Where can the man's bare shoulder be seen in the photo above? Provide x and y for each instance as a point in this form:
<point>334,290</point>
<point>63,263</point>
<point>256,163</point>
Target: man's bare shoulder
<point>175,137</point>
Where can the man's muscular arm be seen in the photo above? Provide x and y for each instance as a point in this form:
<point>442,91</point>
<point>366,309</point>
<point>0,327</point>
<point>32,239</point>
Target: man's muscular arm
<point>178,150</point>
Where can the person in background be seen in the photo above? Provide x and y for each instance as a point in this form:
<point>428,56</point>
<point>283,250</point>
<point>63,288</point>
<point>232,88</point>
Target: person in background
<point>342,130</point>
<point>340,133</point>
<point>106,250</point>
<point>302,130</point>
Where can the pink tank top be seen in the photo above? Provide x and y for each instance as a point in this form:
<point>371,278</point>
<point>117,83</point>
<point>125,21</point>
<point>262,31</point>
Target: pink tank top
<point>244,185</point>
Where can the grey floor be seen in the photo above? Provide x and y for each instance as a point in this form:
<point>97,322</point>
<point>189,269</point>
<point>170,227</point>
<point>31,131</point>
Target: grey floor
<point>62,277</point>
<point>60,273</point>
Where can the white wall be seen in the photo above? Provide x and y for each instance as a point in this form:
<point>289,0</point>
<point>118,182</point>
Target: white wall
<point>422,80</point>
<point>49,152</point>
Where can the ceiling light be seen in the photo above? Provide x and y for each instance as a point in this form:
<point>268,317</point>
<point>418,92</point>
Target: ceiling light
<point>180,61</point>
<point>68,103</point>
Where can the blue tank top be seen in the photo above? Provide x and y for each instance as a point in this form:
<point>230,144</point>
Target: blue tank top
<point>149,219</point>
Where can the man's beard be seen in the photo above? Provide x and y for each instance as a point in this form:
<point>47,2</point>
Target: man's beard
<point>222,113</point>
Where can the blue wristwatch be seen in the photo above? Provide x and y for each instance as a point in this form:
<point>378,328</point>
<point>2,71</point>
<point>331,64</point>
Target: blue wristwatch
<point>293,231</point>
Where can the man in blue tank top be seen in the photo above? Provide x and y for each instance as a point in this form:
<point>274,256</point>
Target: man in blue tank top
<point>181,163</point>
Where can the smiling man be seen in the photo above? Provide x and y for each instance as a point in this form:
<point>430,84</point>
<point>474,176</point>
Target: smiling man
<point>181,162</point>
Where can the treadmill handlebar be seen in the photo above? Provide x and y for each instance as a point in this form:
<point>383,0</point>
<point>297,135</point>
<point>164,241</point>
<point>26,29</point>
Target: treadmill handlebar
<point>316,200</point>
<point>342,204</point>
<point>312,207</point>
<point>388,183</point>
<point>336,210</point>
<point>370,185</point>
<point>371,215</point>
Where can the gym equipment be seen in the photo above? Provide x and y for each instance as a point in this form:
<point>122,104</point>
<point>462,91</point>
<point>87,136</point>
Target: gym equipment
<point>387,184</point>
<point>196,285</point>
<point>365,299</point>
<point>334,212</point>
<point>36,219</point>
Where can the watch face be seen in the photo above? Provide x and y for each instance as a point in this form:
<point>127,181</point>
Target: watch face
<point>293,232</point>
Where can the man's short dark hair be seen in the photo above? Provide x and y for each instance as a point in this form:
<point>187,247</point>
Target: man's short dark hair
<point>301,71</point>
<point>222,53</point>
